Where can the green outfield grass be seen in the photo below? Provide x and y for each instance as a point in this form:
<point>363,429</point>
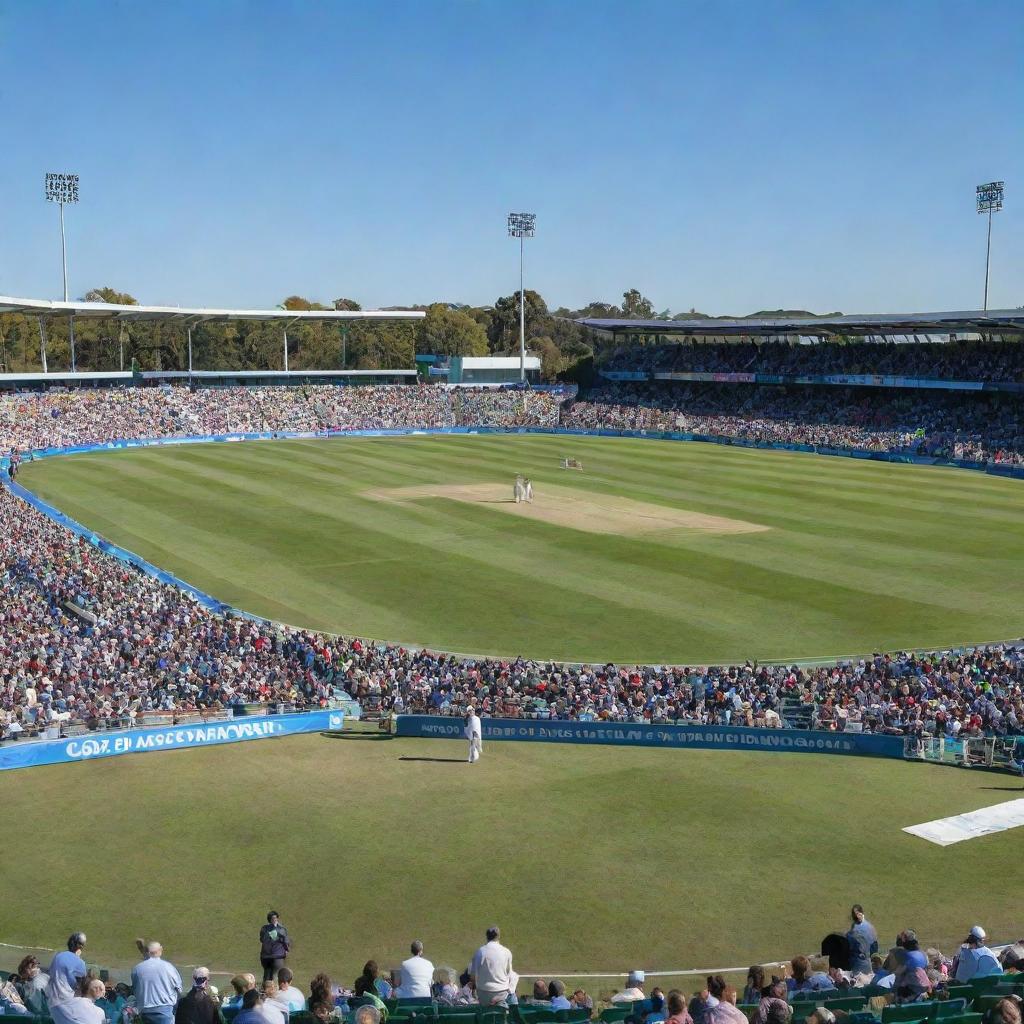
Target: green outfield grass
<point>854,556</point>
<point>591,859</point>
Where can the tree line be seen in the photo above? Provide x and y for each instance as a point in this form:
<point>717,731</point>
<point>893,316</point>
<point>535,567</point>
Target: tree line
<point>565,349</point>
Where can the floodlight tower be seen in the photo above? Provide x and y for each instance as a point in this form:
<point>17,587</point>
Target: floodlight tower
<point>522,225</point>
<point>990,200</point>
<point>63,188</point>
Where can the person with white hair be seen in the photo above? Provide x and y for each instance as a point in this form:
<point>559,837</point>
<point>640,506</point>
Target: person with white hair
<point>81,1009</point>
<point>198,1005</point>
<point>156,985</point>
<point>473,733</point>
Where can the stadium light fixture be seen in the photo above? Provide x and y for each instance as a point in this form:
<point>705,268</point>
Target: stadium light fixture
<point>990,200</point>
<point>522,225</point>
<point>61,189</point>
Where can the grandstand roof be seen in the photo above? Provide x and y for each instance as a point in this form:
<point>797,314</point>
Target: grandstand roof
<point>191,317</point>
<point>994,321</point>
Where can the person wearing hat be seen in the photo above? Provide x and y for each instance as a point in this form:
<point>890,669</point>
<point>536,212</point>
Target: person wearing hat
<point>975,959</point>
<point>198,1005</point>
<point>634,989</point>
<point>67,969</point>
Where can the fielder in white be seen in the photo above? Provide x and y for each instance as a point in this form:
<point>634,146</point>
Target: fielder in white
<point>518,490</point>
<point>472,733</point>
<point>528,490</point>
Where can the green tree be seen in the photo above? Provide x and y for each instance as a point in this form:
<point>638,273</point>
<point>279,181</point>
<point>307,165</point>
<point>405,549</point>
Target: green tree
<point>504,329</point>
<point>347,305</point>
<point>636,306</point>
<point>447,331</point>
<point>108,294</point>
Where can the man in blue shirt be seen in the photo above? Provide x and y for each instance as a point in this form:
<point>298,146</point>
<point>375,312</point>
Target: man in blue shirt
<point>66,970</point>
<point>975,959</point>
<point>157,986</point>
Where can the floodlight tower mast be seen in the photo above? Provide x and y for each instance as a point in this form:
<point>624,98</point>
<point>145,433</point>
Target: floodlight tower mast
<point>990,200</point>
<point>522,225</point>
<point>61,189</point>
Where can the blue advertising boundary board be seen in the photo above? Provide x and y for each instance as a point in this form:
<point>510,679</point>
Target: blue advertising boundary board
<point>30,753</point>
<point>704,737</point>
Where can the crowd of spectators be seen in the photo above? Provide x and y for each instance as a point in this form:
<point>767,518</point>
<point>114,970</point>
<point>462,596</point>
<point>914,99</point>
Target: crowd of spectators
<point>850,964</point>
<point>974,360</point>
<point>949,425</point>
<point>57,419</point>
<point>87,641</point>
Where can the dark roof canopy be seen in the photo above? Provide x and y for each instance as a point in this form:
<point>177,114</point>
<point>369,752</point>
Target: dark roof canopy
<point>994,321</point>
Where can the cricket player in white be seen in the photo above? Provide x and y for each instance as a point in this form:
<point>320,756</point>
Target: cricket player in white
<point>472,733</point>
<point>518,490</point>
<point>528,490</point>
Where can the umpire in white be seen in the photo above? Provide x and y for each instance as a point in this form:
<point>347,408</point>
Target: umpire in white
<point>472,733</point>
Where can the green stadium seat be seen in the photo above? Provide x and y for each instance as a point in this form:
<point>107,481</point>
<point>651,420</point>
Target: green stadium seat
<point>845,1004</point>
<point>613,1014</point>
<point>908,1013</point>
<point>986,984</point>
<point>946,1008</point>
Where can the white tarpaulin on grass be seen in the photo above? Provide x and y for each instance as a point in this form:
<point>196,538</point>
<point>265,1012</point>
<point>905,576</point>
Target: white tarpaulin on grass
<point>983,822</point>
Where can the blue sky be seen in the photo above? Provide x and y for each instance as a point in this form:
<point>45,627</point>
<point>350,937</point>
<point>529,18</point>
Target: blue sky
<point>729,156</point>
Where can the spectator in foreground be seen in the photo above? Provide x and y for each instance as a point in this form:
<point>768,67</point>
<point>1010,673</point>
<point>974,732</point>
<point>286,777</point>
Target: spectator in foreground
<point>81,1009</point>
<point>366,1015</point>
<point>287,993</point>
<point>491,971</point>
<point>581,1001</point>
<point>270,1009</point>
<point>678,1013</point>
<point>444,990</point>
<point>368,985</point>
<point>882,976</point>
<point>754,988</point>
<point>1006,1011</point>
<point>249,1013</point>
<point>198,1006</point>
<point>322,1012</point>
<point>32,982</point>
<point>772,1006</point>
<point>805,979</point>
<point>417,973</point>
<point>975,959</point>
<point>726,1012</point>
<point>67,969</point>
<point>707,998</point>
<point>157,987</point>
<point>556,993</point>
<point>863,940</point>
<point>274,945</point>
<point>539,996</point>
<point>241,983</point>
<point>112,1003</point>
<point>633,991</point>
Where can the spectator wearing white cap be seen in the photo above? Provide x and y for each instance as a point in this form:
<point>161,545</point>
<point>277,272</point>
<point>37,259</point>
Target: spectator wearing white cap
<point>198,1005</point>
<point>634,989</point>
<point>67,969</point>
<point>975,959</point>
